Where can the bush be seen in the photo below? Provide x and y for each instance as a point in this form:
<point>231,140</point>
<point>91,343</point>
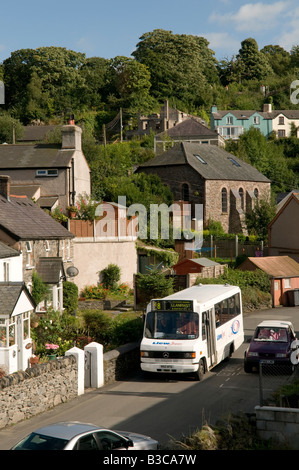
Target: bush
<point>70,297</point>
<point>154,285</point>
<point>110,276</point>
<point>39,289</point>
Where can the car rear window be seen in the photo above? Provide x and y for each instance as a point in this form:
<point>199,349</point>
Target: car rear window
<point>40,442</point>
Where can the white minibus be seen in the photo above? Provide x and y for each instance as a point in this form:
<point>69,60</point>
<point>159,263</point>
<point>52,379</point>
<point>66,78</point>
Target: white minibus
<point>192,330</point>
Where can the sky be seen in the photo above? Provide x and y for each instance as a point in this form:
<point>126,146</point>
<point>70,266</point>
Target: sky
<point>113,28</point>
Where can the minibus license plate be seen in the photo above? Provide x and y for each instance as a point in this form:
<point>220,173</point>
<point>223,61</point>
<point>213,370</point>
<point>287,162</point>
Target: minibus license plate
<point>166,367</point>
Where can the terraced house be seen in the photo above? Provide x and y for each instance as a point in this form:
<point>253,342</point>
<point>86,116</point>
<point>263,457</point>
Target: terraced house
<point>230,124</point>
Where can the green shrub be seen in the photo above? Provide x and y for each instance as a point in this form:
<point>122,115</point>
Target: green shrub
<point>70,297</point>
<point>154,285</point>
<point>39,288</point>
<point>110,276</point>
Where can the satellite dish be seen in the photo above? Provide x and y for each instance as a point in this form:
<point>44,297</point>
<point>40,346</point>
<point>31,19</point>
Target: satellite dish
<point>72,271</point>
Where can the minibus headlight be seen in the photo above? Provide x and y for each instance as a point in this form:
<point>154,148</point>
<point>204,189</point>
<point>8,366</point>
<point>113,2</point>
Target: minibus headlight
<point>144,353</point>
<point>190,355</point>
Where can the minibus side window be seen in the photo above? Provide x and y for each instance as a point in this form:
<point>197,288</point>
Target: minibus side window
<point>203,325</point>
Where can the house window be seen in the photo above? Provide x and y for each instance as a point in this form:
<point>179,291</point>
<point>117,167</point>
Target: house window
<point>185,192</point>
<point>5,271</point>
<point>234,162</point>
<point>281,120</point>
<point>50,172</point>
<point>281,133</point>
<point>256,120</point>
<point>241,194</point>
<point>28,254</point>
<point>26,325</point>
<point>287,283</point>
<point>229,120</point>
<point>224,199</point>
<point>200,159</point>
<point>256,193</point>
<point>46,245</point>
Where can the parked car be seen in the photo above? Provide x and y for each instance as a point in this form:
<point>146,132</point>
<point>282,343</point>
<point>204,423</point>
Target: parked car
<point>81,436</point>
<point>271,344</point>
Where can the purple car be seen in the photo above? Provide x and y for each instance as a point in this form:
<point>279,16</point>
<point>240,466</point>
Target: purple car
<point>271,344</point>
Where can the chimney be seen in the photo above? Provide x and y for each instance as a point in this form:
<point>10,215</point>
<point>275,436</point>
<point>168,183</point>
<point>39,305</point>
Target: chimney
<point>5,186</point>
<point>267,108</point>
<point>71,136</point>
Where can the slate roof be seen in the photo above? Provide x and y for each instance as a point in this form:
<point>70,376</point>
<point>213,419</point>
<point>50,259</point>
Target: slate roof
<point>34,156</point>
<point>9,295</point>
<point>7,251</point>
<point>188,127</point>
<point>214,163</point>
<point>24,220</point>
<point>246,113</point>
<point>36,133</point>
<point>50,269</point>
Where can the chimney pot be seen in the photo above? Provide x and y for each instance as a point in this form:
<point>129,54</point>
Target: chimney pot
<point>5,186</point>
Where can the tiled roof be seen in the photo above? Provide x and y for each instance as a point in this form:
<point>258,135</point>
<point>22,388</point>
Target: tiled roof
<point>9,295</point>
<point>246,113</point>
<point>50,269</point>
<point>7,251</point>
<point>34,156</point>
<point>277,266</point>
<point>210,161</point>
<point>189,127</point>
<point>24,220</point>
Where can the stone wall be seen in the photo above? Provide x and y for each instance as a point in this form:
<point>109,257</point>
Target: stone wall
<point>279,424</point>
<point>27,393</point>
<point>121,362</point>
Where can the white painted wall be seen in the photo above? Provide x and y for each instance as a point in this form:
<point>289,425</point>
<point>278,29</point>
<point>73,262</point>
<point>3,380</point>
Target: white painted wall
<point>92,257</point>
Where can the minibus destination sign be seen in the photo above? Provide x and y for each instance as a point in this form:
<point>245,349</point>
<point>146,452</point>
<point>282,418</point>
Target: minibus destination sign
<point>174,305</point>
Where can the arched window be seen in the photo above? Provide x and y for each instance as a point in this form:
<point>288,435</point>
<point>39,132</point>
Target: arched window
<point>224,199</point>
<point>241,194</point>
<point>256,193</point>
<point>185,192</point>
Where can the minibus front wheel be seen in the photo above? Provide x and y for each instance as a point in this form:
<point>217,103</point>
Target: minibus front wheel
<point>200,371</point>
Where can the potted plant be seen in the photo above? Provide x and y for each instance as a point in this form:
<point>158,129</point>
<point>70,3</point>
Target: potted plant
<point>72,211</point>
<point>51,348</point>
<point>33,360</point>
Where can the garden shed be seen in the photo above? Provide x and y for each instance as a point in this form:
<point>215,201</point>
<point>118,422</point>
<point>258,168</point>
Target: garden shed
<point>194,265</point>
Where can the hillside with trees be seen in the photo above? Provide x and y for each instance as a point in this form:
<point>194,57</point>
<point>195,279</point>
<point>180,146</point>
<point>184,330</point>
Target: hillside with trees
<point>47,84</point>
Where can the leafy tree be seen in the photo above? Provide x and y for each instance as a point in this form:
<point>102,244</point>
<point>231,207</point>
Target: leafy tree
<point>8,127</point>
<point>278,58</point>
<point>154,285</point>
<point>58,71</point>
<point>181,66</point>
<point>252,63</point>
<point>259,218</point>
<point>130,83</point>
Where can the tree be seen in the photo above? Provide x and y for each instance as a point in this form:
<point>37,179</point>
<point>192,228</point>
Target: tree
<point>252,63</point>
<point>259,218</point>
<point>181,66</point>
<point>58,72</point>
<point>9,127</point>
<point>130,84</point>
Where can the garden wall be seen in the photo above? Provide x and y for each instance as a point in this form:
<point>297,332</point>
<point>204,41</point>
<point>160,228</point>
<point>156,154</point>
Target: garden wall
<point>121,362</point>
<point>27,393</point>
<point>278,424</point>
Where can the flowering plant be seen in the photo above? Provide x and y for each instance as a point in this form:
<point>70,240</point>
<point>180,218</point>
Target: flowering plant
<point>51,347</point>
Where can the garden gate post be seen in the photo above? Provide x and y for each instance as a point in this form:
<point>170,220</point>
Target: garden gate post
<point>79,354</point>
<point>95,351</point>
